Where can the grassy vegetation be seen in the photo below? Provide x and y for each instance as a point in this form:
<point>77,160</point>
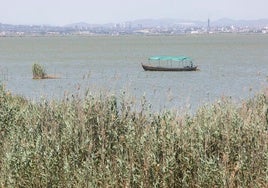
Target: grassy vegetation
<point>38,71</point>
<point>102,142</point>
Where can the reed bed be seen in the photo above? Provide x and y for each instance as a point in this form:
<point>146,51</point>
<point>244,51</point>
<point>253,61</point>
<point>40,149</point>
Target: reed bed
<point>102,142</point>
<point>39,71</point>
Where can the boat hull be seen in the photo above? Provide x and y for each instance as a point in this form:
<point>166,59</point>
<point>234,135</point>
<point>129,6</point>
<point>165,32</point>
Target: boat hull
<point>159,68</point>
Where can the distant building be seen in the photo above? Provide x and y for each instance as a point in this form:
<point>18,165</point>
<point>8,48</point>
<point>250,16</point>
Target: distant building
<point>208,26</point>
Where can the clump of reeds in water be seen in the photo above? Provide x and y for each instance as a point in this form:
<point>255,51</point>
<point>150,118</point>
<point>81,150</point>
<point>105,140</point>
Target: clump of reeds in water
<point>102,142</point>
<point>38,71</point>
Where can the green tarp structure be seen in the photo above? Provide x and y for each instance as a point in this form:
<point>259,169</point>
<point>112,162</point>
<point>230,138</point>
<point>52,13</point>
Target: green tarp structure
<point>169,58</point>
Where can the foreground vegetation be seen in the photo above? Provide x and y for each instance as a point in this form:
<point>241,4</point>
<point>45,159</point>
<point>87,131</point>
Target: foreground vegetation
<point>102,142</point>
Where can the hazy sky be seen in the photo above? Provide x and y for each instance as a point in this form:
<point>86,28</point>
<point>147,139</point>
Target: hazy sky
<point>60,12</point>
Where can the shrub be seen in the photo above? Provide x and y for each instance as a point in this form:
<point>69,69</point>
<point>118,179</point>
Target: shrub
<point>38,71</point>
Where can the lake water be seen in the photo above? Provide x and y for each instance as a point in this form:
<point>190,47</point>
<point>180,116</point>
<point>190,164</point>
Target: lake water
<point>230,65</point>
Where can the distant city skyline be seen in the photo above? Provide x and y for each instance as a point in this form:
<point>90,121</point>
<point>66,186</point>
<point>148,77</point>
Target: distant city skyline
<point>60,12</point>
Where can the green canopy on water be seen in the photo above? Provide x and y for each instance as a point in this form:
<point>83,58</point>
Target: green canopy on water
<point>169,58</point>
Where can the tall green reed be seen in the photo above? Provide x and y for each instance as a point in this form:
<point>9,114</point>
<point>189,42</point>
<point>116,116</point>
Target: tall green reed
<point>100,141</point>
<point>38,71</point>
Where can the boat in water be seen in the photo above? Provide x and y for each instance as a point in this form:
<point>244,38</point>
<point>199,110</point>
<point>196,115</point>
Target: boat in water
<point>169,63</point>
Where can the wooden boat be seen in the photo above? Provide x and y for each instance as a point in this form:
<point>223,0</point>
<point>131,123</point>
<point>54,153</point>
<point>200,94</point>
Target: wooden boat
<point>166,64</point>
<point>159,68</point>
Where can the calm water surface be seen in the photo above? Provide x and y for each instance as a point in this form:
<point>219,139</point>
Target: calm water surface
<point>230,65</point>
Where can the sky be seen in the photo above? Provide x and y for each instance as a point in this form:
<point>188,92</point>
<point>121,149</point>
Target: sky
<point>62,12</point>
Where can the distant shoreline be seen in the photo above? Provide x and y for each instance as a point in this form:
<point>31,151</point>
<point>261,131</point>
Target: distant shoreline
<point>99,35</point>
<point>141,27</point>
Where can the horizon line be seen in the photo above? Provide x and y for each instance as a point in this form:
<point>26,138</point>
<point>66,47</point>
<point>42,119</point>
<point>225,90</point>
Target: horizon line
<point>134,20</point>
